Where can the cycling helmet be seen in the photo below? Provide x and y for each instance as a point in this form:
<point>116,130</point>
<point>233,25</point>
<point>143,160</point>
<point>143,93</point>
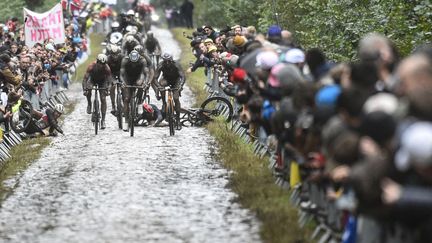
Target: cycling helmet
<point>139,48</point>
<point>134,56</point>
<point>129,38</point>
<point>167,57</point>
<point>102,58</point>
<point>130,12</point>
<point>148,108</point>
<point>115,49</point>
<point>115,25</point>
<point>150,33</point>
<point>59,108</point>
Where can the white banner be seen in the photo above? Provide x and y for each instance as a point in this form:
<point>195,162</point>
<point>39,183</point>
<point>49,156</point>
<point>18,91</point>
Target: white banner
<point>39,27</point>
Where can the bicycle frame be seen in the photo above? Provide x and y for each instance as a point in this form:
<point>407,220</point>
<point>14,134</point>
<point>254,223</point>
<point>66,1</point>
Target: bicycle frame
<point>133,107</point>
<point>96,113</point>
<point>169,107</point>
<point>155,60</point>
<point>119,101</point>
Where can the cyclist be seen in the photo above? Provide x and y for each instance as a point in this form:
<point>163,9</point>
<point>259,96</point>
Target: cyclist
<point>135,33</point>
<point>46,121</point>
<point>132,72</point>
<point>115,58</point>
<point>151,114</point>
<point>128,44</point>
<point>98,73</point>
<point>115,35</point>
<point>152,46</point>
<point>172,75</point>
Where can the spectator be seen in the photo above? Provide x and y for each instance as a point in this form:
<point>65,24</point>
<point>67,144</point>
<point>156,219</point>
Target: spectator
<point>186,10</point>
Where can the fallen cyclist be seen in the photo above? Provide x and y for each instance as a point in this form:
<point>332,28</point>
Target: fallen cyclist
<point>151,115</point>
<point>43,122</point>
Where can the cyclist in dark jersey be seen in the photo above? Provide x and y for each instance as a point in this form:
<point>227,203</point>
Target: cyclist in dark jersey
<point>115,58</point>
<point>133,72</point>
<point>152,45</point>
<point>172,75</point>
<point>46,120</point>
<point>98,73</point>
<point>128,44</point>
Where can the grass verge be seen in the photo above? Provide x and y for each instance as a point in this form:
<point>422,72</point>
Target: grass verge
<point>30,150</point>
<point>251,180</point>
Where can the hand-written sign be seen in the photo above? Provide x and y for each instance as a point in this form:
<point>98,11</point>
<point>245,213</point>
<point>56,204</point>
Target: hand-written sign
<point>39,27</point>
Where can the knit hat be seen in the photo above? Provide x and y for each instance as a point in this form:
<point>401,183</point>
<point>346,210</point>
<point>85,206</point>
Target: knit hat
<point>285,76</point>
<point>416,146</point>
<point>239,41</point>
<point>328,95</point>
<point>238,75</point>
<point>274,31</point>
<point>294,55</point>
<point>384,102</point>
<point>266,59</point>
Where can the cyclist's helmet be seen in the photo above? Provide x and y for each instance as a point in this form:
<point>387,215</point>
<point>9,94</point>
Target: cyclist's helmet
<point>139,48</point>
<point>134,56</point>
<point>150,33</point>
<point>148,108</point>
<point>130,39</point>
<point>102,58</point>
<point>167,57</point>
<point>115,49</point>
<point>130,12</point>
<point>59,108</point>
<point>115,26</point>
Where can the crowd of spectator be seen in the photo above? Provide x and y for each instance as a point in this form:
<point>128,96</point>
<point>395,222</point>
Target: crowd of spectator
<point>36,72</point>
<point>360,131</point>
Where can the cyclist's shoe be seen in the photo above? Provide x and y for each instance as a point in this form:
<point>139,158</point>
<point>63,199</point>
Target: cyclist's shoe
<point>103,124</point>
<point>114,113</point>
<point>88,109</point>
<point>158,97</point>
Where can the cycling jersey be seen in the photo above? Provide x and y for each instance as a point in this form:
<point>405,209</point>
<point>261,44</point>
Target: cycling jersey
<point>131,72</point>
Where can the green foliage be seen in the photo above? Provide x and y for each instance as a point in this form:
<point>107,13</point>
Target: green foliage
<point>335,26</point>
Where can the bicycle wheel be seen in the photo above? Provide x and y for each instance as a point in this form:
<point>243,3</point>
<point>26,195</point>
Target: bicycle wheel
<point>132,111</point>
<point>170,115</point>
<point>119,108</point>
<point>216,106</point>
<point>95,114</point>
<point>22,118</point>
